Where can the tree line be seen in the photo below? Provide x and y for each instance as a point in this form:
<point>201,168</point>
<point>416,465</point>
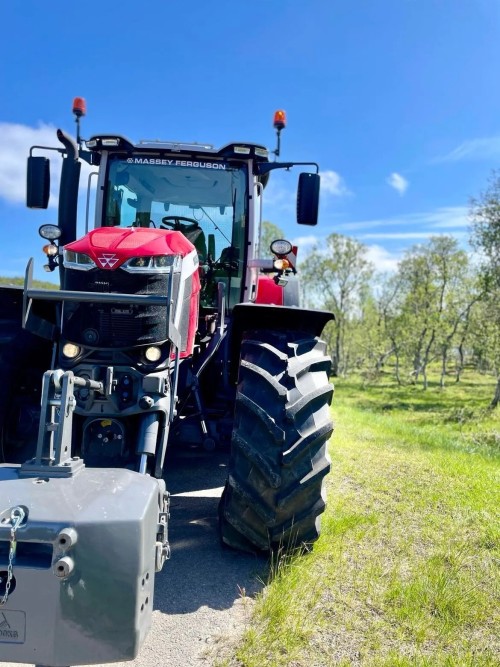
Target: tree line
<point>441,306</point>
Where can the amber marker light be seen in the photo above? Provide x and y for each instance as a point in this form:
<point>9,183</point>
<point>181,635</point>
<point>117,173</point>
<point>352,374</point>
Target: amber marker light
<point>279,120</point>
<point>50,249</point>
<point>281,264</point>
<point>79,107</point>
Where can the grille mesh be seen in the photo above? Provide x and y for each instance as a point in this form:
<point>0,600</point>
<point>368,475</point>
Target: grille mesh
<point>115,325</point>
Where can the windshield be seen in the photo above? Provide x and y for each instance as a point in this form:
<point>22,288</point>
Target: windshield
<point>204,199</point>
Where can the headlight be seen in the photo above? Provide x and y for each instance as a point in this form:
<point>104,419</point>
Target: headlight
<point>71,351</point>
<point>50,232</point>
<point>152,353</point>
<point>139,262</point>
<point>163,261</point>
<point>78,260</point>
<point>150,264</point>
<point>281,247</point>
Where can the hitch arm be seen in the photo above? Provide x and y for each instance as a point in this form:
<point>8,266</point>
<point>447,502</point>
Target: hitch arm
<point>54,445</point>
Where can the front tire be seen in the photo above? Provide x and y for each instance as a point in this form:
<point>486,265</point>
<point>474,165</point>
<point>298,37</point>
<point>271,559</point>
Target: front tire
<point>274,493</point>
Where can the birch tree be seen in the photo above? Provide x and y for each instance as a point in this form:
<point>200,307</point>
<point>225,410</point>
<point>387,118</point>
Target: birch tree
<point>334,277</point>
<point>485,238</point>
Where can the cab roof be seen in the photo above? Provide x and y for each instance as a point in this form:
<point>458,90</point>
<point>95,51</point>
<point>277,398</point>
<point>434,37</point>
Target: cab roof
<point>115,142</point>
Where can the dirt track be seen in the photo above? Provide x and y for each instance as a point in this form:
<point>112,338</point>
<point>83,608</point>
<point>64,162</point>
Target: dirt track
<point>198,601</point>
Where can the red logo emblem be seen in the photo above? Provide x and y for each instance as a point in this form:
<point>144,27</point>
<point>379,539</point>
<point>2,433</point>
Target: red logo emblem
<point>107,261</point>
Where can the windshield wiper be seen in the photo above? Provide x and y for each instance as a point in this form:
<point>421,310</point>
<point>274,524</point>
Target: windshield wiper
<point>216,225</point>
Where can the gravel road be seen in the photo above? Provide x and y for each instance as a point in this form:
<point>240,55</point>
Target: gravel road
<point>203,594</point>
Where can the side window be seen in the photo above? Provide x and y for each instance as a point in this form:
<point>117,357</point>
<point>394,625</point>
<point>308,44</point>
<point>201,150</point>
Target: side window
<point>114,206</point>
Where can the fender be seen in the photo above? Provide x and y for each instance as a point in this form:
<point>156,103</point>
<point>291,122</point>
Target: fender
<point>250,316</point>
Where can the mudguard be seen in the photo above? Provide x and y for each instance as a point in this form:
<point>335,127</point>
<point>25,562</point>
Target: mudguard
<point>251,316</point>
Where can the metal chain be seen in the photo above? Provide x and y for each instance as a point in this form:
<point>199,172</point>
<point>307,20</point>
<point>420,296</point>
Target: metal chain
<point>16,516</point>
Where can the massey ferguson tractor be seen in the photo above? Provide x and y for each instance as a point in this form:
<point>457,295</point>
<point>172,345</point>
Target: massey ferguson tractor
<point>169,330</point>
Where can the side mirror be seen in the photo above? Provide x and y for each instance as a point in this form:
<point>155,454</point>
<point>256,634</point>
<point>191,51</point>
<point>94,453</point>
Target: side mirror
<point>38,182</point>
<point>308,199</point>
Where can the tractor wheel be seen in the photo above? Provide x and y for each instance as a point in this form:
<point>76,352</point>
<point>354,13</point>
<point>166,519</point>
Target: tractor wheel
<point>274,493</point>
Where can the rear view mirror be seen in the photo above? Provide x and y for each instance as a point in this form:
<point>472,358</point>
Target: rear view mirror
<point>308,199</point>
<point>38,182</point>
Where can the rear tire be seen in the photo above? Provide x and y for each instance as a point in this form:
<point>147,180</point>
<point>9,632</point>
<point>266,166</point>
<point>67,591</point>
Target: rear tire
<point>274,493</point>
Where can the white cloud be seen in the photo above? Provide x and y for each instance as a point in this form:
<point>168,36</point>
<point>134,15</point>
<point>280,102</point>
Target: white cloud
<point>333,184</point>
<point>448,217</point>
<point>382,259</point>
<point>398,182</point>
<point>281,192</point>
<point>15,143</point>
<point>486,148</point>
<point>278,196</point>
<point>404,235</point>
<point>306,241</point>
<point>440,220</point>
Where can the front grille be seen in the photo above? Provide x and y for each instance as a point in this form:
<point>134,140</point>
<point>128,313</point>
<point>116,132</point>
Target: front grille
<point>118,281</point>
<point>115,325</point>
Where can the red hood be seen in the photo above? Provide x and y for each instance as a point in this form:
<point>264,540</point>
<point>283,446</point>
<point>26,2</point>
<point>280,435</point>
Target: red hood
<point>109,247</point>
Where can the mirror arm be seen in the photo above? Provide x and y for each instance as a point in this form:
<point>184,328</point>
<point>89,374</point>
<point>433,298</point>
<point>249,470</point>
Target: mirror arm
<point>261,168</point>
<point>46,148</point>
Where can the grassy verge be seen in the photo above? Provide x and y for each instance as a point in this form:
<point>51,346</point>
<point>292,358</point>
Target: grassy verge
<point>406,571</point>
<point>19,282</point>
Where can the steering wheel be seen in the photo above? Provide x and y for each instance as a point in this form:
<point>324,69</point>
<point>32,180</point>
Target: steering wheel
<point>175,222</point>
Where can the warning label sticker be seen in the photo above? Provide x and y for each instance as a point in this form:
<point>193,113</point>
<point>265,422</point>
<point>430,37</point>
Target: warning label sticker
<point>12,627</point>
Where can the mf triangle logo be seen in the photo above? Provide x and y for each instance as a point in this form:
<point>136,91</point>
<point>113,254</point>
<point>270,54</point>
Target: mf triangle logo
<point>107,260</point>
<point>4,623</point>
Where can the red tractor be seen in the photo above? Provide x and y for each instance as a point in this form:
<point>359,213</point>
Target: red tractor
<point>168,329</point>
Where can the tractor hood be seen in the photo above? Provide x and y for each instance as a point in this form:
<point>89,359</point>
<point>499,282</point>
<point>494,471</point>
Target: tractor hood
<point>110,247</point>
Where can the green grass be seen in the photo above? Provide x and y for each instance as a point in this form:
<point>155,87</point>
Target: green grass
<point>19,282</point>
<point>406,571</point>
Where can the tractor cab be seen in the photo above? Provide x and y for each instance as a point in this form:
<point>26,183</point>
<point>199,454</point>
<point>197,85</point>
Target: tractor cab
<point>204,198</point>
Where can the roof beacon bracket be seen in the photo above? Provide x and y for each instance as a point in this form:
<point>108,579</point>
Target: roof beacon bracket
<point>279,124</point>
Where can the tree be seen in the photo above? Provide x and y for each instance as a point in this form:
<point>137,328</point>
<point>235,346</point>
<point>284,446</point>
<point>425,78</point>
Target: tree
<point>462,301</point>
<point>335,277</point>
<point>429,306</point>
<point>268,233</point>
<point>485,238</point>
<point>392,321</point>
<point>486,337</point>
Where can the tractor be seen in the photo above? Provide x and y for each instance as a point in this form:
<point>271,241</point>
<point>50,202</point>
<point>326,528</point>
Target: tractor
<point>168,329</point>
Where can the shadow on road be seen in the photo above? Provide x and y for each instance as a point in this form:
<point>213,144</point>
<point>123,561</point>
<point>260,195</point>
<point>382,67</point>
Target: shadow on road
<point>201,572</point>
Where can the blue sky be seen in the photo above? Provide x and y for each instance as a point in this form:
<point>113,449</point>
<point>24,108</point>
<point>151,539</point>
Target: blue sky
<point>398,101</point>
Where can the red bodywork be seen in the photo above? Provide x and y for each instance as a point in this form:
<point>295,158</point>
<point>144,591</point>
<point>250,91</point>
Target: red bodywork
<point>110,247</point>
<point>268,291</point>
